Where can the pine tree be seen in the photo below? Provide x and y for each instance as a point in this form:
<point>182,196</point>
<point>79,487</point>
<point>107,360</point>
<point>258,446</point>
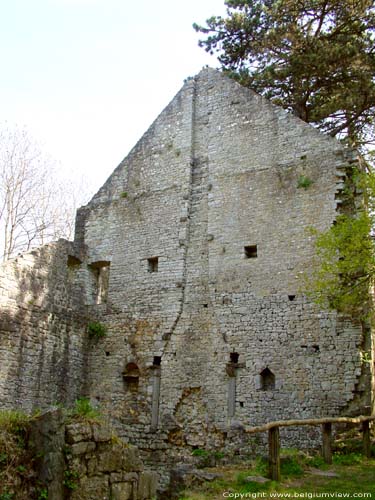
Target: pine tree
<point>315,58</point>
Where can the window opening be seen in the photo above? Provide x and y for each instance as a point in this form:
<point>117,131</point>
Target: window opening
<point>155,392</point>
<point>231,370</point>
<point>131,376</point>
<point>153,264</point>
<point>291,297</point>
<point>157,361</point>
<point>251,251</point>
<point>73,261</point>
<point>267,379</point>
<point>234,357</point>
<point>100,270</point>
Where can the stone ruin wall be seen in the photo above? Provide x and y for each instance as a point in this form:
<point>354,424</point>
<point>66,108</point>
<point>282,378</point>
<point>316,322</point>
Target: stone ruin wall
<point>42,329</point>
<point>85,460</point>
<point>200,338</point>
<point>216,172</point>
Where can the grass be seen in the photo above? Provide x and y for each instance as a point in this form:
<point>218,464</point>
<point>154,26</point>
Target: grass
<point>355,476</point>
<point>84,411</point>
<point>17,474</point>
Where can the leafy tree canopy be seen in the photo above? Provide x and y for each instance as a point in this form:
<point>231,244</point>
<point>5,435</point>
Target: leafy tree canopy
<point>313,57</point>
<point>345,255</point>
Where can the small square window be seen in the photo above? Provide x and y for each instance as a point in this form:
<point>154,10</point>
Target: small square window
<point>251,251</point>
<point>153,264</point>
<point>234,357</point>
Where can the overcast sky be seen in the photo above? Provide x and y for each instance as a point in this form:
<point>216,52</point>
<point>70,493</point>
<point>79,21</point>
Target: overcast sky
<point>88,77</point>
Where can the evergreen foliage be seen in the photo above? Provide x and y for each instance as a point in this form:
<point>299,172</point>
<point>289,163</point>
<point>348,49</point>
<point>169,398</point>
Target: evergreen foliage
<point>315,58</point>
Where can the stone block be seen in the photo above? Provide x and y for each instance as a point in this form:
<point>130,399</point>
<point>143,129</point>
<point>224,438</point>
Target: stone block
<point>122,491</point>
<point>92,466</point>
<point>83,447</point>
<point>78,432</point>
<point>111,459</point>
<point>130,459</point>
<point>101,433</point>
<point>147,485</point>
<point>92,488</point>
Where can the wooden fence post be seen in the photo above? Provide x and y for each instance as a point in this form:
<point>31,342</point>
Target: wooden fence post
<point>327,442</point>
<point>274,453</point>
<point>366,441</point>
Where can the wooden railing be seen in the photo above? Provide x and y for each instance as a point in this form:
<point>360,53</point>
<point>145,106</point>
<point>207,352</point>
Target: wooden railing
<point>326,423</point>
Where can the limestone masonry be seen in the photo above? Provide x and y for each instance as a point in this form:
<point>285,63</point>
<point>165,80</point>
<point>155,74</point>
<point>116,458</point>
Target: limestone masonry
<point>191,254</point>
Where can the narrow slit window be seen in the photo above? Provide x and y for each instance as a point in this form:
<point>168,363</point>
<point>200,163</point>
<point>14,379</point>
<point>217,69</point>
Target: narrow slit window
<point>155,392</point>
<point>251,251</point>
<point>153,264</point>
<point>100,273</point>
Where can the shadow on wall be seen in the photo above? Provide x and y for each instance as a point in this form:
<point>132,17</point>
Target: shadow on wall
<point>42,329</point>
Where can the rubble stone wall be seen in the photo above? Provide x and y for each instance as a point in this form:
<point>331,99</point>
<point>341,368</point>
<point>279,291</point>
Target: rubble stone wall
<point>42,328</point>
<point>192,255</point>
<point>220,338</point>
<point>85,460</point>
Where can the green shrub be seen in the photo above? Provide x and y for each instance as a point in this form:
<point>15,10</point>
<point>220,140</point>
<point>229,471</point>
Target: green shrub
<point>304,182</point>
<point>6,496</point>
<point>261,466</point>
<point>43,494</point>
<point>124,194</point>
<point>207,458</point>
<point>346,459</point>
<point>14,421</point>
<point>71,479</point>
<point>317,462</point>
<point>198,452</point>
<point>290,466</point>
<point>96,329</point>
<point>84,409</point>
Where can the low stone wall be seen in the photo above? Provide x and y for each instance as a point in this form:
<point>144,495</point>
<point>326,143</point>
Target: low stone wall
<point>86,461</point>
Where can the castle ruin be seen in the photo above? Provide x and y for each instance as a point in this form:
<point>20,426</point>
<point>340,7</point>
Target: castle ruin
<point>191,255</point>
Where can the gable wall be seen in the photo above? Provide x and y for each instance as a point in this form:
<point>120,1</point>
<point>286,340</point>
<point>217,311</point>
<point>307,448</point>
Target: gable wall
<point>235,184</point>
<point>218,170</point>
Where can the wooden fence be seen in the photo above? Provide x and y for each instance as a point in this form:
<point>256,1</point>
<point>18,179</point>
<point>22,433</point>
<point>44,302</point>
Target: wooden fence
<point>326,423</point>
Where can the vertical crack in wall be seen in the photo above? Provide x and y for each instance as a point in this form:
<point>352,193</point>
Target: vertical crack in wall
<point>169,334</point>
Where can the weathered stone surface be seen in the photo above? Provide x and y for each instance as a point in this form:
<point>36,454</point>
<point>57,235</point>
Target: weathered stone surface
<point>92,466</point>
<point>83,447</point>
<point>47,439</point>
<point>119,477</point>
<point>122,491</point>
<point>191,253</point>
<point>110,459</point>
<point>92,488</point>
<point>91,469</point>
<point>77,432</point>
<point>131,460</point>
<point>256,479</point>
<point>101,433</point>
<point>119,456</point>
<point>185,476</point>
<point>147,485</point>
